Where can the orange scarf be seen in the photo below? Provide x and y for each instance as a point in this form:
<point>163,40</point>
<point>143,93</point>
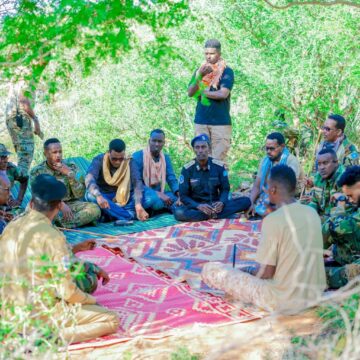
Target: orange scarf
<point>213,79</point>
<point>154,172</point>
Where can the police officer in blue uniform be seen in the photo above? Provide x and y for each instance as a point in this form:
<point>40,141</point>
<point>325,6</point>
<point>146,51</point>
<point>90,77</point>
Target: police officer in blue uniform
<point>204,187</point>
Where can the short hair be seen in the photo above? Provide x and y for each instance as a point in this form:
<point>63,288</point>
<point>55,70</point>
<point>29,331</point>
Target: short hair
<point>157,131</point>
<point>340,121</point>
<point>350,177</point>
<point>44,206</point>
<point>285,176</point>
<point>117,145</point>
<point>51,141</point>
<point>213,43</point>
<point>276,136</point>
<point>328,151</point>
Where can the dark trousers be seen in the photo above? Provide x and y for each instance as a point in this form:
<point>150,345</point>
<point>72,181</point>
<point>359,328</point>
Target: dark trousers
<point>184,213</point>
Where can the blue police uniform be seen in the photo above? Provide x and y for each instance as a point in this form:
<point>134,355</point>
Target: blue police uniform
<point>206,186</point>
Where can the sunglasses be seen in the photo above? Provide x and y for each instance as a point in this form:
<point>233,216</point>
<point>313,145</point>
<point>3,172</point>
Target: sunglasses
<point>326,128</point>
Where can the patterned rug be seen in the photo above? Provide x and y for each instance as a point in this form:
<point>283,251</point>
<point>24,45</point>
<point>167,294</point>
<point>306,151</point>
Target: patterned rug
<point>153,306</point>
<point>181,250</point>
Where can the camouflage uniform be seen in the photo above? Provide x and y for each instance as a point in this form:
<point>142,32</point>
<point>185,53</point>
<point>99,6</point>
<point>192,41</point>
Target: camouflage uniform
<point>323,191</point>
<point>346,152</point>
<point>14,173</point>
<point>343,230</point>
<point>83,212</point>
<point>6,212</point>
<point>22,137</point>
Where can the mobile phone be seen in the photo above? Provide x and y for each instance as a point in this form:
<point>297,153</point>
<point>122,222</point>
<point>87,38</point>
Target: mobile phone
<point>123,222</point>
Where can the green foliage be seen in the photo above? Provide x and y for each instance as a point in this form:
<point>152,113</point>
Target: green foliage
<point>183,354</point>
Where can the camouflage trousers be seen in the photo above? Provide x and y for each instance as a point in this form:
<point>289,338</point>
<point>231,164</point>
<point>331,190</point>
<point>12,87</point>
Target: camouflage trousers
<point>23,141</point>
<point>85,275</point>
<point>83,213</point>
<point>339,276</point>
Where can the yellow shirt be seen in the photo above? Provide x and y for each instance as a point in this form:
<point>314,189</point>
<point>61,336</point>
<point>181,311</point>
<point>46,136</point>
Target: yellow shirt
<point>291,240</point>
<point>34,253</point>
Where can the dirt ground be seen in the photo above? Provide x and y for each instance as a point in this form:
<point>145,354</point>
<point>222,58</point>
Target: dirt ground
<point>267,338</point>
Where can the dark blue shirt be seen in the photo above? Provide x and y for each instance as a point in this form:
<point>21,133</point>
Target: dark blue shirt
<point>203,186</point>
<point>138,158</point>
<point>218,112</point>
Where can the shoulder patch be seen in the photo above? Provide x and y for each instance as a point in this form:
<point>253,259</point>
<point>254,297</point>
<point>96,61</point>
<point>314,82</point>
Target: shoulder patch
<point>218,162</point>
<point>354,155</point>
<point>181,179</point>
<point>189,164</point>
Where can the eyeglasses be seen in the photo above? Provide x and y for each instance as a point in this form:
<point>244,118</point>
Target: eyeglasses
<point>326,128</point>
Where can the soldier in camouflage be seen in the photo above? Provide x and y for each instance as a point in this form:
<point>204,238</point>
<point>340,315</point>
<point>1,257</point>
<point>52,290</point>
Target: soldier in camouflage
<point>335,139</point>
<point>342,229</point>
<point>19,121</point>
<point>325,183</point>
<point>14,174</point>
<point>74,211</point>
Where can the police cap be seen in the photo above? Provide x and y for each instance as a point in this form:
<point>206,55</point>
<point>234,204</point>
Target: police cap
<point>47,188</point>
<point>201,137</point>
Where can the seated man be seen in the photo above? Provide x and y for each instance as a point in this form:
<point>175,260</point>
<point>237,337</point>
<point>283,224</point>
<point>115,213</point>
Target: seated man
<point>157,171</point>
<point>35,255</point>
<point>290,254</point>
<point>75,211</point>
<point>335,139</point>
<point>325,183</point>
<point>14,174</point>
<point>204,187</point>
<point>114,183</point>
<point>277,154</point>
<point>342,229</point>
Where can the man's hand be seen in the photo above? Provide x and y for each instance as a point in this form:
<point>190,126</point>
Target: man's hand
<point>14,202</point>
<point>62,168</point>
<point>104,275</point>
<point>102,202</point>
<point>206,209</point>
<point>204,70</point>
<point>66,211</point>
<point>141,214</point>
<point>178,202</point>
<point>37,129</point>
<point>218,206</point>
<point>166,199</point>
<point>308,182</point>
<point>89,244</point>
<point>251,211</point>
<point>336,196</point>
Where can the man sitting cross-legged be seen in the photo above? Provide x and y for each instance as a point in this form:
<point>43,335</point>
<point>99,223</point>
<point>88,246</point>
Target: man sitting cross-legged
<point>342,229</point>
<point>114,183</point>
<point>157,171</point>
<point>325,183</point>
<point>75,211</point>
<point>204,187</point>
<point>291,274</point>
<point>276,154</point>
<point>38,276</point>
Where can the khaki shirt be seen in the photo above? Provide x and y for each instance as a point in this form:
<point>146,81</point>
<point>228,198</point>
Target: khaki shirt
<point>34,254</point>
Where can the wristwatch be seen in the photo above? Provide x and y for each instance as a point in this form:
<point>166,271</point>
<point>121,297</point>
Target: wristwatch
<point>341,198</point>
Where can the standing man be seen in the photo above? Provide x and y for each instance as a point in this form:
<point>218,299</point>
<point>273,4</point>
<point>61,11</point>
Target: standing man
<point>20,118</point>
<point>335,139</point>
<point>276,154</point>
<point>342,229</point>
<point>36,257</point>
<point>14,174</point>
<point>211,84</point>
<point>204,187</point>
<point>156,170</point>
<point>75,211</point>
<point>114,183</point>
<point>291,274</point>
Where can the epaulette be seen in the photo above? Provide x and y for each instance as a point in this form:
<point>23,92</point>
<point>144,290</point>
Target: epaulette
<point>218,162</point>
<point>191,163</point>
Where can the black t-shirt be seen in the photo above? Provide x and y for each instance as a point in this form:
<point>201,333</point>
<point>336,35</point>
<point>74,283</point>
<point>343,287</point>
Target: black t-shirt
<point>218,112</point>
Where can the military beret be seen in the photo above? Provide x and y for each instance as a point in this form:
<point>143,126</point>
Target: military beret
<point>201,137</point>
<point>4,151</point>
<point>47,188</point>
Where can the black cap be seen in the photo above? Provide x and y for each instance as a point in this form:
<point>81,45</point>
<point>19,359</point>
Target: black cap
<point>201,137</point>
<point>47,188</point>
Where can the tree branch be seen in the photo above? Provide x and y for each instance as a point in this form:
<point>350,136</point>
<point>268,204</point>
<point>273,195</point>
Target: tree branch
<point>315,2</point>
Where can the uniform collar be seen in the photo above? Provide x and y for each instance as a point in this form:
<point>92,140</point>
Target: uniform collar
<point>199,168</point>
<point>38,216</point>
